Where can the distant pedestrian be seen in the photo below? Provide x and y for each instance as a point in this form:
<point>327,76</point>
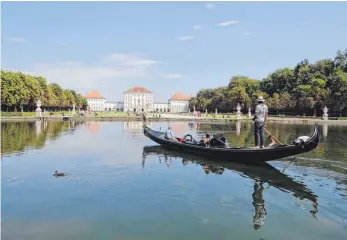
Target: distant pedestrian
<point>261,112</point>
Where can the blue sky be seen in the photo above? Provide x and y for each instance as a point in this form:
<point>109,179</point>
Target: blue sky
<point>165,46</point>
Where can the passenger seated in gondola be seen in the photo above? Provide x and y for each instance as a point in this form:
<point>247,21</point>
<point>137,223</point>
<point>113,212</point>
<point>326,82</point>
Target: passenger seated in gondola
<point>169,135</point>
<point>188,139</point>
<point>218,140</point>
<point>205,141</point>
<point>222,138</point>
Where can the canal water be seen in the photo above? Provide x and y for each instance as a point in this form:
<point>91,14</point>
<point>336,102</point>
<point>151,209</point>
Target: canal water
<point>119,185</point>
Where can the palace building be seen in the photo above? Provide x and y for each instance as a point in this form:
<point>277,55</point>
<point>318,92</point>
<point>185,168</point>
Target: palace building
<point>179,103</point>
<point>139,99</point>
<point>96,102</point>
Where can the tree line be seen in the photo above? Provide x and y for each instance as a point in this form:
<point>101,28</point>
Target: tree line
<point>17,136</point>
<point>305,89</point>
<point>21,91</point>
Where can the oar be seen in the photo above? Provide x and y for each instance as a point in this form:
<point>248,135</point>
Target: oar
<point>273,136</point>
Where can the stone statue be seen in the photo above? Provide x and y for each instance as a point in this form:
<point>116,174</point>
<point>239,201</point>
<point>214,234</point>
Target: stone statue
<point>325,113</point>
<point>73,109</point>
<point>238,113</point>
<point>38,109</point>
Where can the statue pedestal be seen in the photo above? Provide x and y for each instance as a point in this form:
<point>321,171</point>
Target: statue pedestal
<point>38,112</point>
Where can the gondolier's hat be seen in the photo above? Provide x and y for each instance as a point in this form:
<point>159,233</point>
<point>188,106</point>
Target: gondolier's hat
<point>260,99</point>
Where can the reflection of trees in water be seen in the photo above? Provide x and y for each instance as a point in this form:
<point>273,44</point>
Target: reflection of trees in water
<point>16,136</point>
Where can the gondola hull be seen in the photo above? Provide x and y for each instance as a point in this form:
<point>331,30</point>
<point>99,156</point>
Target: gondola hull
<point>244,155</point>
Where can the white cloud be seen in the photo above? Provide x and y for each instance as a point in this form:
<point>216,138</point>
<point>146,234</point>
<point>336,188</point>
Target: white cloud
<point>173,75</point>
<point>228,23</point>
<point>185,38</point>
<point>247,33</point>
<point>197,27</point>
<point>16,39</point>
<point>210,6</point>
<point>104,70</point>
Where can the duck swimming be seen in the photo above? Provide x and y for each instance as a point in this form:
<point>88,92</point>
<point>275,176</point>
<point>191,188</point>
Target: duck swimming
<point>58,174</point>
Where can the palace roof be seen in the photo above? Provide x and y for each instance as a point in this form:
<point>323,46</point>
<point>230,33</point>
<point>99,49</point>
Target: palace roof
<point>180,97</point>
<point>137,89</point>
<point>94,95</point>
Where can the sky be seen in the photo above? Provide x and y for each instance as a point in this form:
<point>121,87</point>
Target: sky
<point>166,47</point>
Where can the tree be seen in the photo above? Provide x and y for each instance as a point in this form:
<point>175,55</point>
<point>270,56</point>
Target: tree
<point>58,92</point>
<point>250,85</point>
<point>322,68</point>
<point>48,97</point>
<point>282,80</point>
<point>238,95</point>
<point>337,84</point>
<point>21,90</point>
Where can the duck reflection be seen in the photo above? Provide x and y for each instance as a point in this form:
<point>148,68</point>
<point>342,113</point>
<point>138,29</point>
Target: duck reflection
<point>261,174</point>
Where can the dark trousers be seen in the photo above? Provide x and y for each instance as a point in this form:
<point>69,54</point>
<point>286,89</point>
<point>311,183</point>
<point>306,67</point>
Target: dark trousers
<point>259,133</point>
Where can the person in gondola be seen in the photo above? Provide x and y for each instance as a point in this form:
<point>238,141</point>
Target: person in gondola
<point>259,118</point>
<point>222,138</point>
<point>169,135</point>
<point>207,139</point>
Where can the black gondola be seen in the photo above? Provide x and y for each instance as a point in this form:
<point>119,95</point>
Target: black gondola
<point>245,155</point>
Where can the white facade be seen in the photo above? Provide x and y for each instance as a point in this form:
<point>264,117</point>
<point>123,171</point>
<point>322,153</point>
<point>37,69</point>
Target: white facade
<point>179,106</point>
<point>138,99</point>
<point>96,104</point>
<point>110,106</point>
<point>161,107</point>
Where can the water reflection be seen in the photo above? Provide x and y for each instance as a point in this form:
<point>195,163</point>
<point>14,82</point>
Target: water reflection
<point>325,130</point>
<point>264,174</point>
<point>238,128</point>
<point>259,206</point>
<point>16,137</point>
<point>134,129</point>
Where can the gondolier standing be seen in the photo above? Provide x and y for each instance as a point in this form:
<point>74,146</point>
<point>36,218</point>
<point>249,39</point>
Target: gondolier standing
<point>260,116</point>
